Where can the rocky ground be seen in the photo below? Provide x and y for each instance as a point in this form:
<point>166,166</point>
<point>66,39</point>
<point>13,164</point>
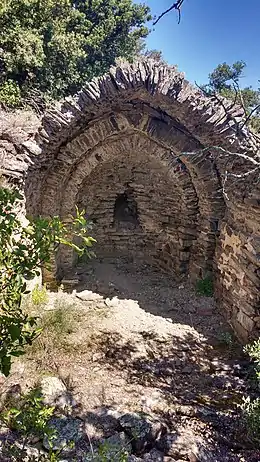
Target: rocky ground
<point>138,361</point>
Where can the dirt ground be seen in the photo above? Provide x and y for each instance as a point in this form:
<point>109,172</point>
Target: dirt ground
<point>136,340</point>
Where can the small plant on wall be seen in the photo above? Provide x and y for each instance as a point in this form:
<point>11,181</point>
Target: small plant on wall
<point>205,287</point>
<point>23,249</point>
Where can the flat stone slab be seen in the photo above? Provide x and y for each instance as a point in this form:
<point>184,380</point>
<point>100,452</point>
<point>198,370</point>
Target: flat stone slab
<point>89,296</point>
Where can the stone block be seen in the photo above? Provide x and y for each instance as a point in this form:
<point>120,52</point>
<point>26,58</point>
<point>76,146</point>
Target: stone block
<point>245,321</point>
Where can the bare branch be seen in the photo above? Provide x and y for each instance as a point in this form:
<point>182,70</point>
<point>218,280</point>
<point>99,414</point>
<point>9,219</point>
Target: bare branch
<point>206,93</point>
<point>250,115</point>
<point>176,6</point>
<point>218,98</point>
<point>236,90</point>
<point>225,152</point>
<point>239,125</point>
<point>229,174</point>
<point>243,175</point>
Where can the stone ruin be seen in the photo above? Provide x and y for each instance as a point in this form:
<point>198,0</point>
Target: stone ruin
<point>165,174</point>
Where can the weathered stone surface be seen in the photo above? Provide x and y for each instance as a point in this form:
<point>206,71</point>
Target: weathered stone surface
<point>143,430</point>
<point>154,456</point>
<point>66,430</point>
<point>55,393</point>
<point>184,444</point>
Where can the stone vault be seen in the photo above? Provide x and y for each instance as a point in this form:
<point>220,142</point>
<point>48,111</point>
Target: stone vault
<point>139,149</point>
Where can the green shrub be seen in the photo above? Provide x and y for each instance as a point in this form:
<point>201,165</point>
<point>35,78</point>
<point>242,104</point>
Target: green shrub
<point>30,418</point>
<point>251,412</point>
<point>227,339</point>
<point>39,295</point>
<point>205,287</point>
<point>111,452</point>
<point>10,94</point>
<point>53,47</point>
<point>253,351</point>
<point>251,407</point>
<point>23,249</point>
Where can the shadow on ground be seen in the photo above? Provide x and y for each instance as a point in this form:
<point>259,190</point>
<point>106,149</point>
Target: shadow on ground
<point>156,293</point>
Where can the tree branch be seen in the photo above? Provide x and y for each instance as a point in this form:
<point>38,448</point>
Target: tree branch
<point>239,125</point>
<point>219,99</point>
<point>224,152</point>
<point>176,6</point>
<point>229,154</point>
<point>250,115</point>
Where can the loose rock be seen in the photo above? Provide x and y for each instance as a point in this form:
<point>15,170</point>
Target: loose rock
<point>66,430</point>
<point>55,393</point>
<point>143,430</point>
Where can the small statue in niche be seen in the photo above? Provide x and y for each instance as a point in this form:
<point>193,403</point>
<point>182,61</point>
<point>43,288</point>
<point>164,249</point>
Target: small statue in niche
<point>125,211</point>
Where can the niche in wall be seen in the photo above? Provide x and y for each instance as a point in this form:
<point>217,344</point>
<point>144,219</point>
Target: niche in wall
<point>126,211</point>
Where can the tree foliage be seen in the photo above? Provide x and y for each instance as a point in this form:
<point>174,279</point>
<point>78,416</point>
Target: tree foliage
<point>55,46</point>
<point>23,249</point>
<point>142,52</point>
<point>226,81</point>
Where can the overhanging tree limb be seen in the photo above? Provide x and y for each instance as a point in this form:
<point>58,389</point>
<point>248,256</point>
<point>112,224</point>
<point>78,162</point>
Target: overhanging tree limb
<point>175,6</point>
<point>231,156</point>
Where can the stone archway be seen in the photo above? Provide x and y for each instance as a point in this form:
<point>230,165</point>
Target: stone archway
<point>167,212</point>
<point>146,116</point>
<point>162,188</point>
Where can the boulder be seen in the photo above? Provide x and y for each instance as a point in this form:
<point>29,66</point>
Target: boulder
<point>185,443</point>
<point>66,430</point>
<point>55,393</point>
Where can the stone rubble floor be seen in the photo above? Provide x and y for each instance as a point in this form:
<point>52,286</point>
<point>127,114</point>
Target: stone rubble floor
<point>144,343</point>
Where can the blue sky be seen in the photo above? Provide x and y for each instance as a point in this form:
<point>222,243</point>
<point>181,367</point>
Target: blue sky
<point>210,32</point>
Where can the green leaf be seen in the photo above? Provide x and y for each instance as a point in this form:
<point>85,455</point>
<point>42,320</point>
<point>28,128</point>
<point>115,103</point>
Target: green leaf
<point>17,353</point>
<point>14,331</point>
<point>5,365</point>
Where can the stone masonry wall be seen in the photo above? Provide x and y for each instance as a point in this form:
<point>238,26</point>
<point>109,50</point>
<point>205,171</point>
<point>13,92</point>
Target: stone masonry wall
<point>189,162</point>
<point>238,270</point>
<point>160,234</point>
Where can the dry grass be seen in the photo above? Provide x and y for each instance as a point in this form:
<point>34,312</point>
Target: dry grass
<point>68,330</point>
<point>57,325</point>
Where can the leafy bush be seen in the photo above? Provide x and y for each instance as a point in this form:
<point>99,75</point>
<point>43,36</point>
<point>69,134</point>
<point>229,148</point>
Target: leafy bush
<point>53,47</point>
<point>251,407</point>
<point>253,351</point>
<point>23,248</point>
<point>110,452</point>
<point>39,295</point>
<point>227,339</point>
<point>30,418</point>
<point>251,412</point>
<point>10,94</point>
<point>205,287</point>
